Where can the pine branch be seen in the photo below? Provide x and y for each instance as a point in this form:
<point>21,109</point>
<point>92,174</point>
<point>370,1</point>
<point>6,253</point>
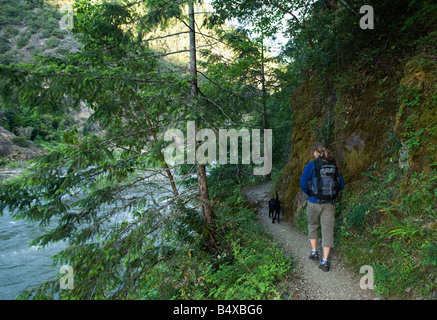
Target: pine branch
<point>218,85</point>
<point>268,2</point>
<point>349,8</point>
<point>60,75</point>
<point>170,53</point>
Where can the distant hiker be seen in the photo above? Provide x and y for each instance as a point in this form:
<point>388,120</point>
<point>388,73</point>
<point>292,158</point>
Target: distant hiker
<point>321,181</point>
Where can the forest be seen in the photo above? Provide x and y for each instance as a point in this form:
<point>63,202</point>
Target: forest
<point>94,89</point>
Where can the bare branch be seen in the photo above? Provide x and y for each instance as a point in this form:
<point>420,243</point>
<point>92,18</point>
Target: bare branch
<point>166,36</point>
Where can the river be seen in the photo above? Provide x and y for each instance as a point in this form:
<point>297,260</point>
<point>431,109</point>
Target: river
<point>23,266</point>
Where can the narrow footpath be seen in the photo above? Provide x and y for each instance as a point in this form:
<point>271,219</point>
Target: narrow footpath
<point>308,281</point>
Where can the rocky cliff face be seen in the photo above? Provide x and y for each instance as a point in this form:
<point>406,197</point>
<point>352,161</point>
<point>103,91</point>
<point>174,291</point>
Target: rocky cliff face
<point>363,119</point>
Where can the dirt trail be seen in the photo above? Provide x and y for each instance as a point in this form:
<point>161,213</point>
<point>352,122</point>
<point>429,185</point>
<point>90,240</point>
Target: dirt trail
<point>309,281</point>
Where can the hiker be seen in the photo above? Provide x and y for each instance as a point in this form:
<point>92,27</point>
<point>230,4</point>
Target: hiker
<point>321,181</point>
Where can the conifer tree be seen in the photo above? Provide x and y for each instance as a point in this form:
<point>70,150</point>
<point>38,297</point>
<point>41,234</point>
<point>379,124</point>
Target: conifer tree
<point>98,192</point>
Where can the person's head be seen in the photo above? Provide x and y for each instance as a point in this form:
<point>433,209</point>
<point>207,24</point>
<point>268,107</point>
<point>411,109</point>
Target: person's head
<point>319,150</point>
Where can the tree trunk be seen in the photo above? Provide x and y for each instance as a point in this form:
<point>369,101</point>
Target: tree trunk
<point>193,54</point>
<point>207,213</point>
<point>264,95</point>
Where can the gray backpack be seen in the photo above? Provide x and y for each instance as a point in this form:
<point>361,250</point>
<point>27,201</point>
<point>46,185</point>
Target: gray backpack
<point>326,184</point>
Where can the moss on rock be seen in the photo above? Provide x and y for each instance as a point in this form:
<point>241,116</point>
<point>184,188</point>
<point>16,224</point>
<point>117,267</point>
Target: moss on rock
<point>416,119</point>
<point>365,115</point>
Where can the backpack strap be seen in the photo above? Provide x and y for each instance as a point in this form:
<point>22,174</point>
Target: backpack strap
<point>315,178</point>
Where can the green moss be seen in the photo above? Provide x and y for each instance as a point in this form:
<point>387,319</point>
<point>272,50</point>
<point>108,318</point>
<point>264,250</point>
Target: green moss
<point>301,143</point>
<point>416,119</point>
<point>355,162</point>
<point>366,109</point>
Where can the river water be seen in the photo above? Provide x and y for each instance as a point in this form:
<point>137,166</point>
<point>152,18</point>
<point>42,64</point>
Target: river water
<point>23,266</point>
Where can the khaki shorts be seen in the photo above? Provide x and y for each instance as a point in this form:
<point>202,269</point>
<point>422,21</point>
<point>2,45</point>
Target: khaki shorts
<point>324,213</point>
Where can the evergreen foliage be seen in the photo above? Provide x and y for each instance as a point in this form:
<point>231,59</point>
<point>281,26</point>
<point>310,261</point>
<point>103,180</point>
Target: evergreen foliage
<point>133,225</point>
<point>98,191</point>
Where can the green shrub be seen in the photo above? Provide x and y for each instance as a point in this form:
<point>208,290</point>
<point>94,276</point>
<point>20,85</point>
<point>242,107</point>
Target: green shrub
<point>301,220</point>
<point>5,46</point>
<point>31,47</point>
<point>11,31</point>
<point>46,33</point>
<point>36,51</point>
<point>254,266</point>
<point>52,43</point>
<point>62,50</point>
<point>7,58</point>
<point>3,161</point>
<point>20,141</point>
<point>22,40</point>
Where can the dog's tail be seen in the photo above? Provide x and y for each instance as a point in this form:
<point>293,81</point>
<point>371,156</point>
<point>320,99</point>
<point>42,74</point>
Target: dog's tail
<point>277,195</point>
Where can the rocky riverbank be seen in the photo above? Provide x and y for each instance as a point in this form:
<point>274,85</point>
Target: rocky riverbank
<point>10,151</point>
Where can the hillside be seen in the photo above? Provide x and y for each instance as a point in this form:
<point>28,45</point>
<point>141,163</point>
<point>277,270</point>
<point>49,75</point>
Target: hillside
<point>378,112</point>
<point>32,31</point>
<point>31,28</point>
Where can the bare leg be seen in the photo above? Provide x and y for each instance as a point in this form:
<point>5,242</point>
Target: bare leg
<point>313,244</point>
<point>326,251</point>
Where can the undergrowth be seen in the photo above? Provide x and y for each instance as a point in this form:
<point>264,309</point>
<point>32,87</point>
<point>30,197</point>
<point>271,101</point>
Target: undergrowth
<point>247,266</point>
<point>251,264</point>
<point>390,223</point>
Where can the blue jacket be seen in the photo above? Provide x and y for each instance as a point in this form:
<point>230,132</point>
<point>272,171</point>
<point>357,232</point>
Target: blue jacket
<point>307,178</point>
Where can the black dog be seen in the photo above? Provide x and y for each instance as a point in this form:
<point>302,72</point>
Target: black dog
<point>274,208</point>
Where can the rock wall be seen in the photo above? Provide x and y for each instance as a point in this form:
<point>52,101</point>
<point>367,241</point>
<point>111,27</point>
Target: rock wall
<point>361,121</point>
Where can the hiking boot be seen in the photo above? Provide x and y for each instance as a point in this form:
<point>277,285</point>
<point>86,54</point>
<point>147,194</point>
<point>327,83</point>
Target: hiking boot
<point>314,256</point>
<point>324,266</point>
